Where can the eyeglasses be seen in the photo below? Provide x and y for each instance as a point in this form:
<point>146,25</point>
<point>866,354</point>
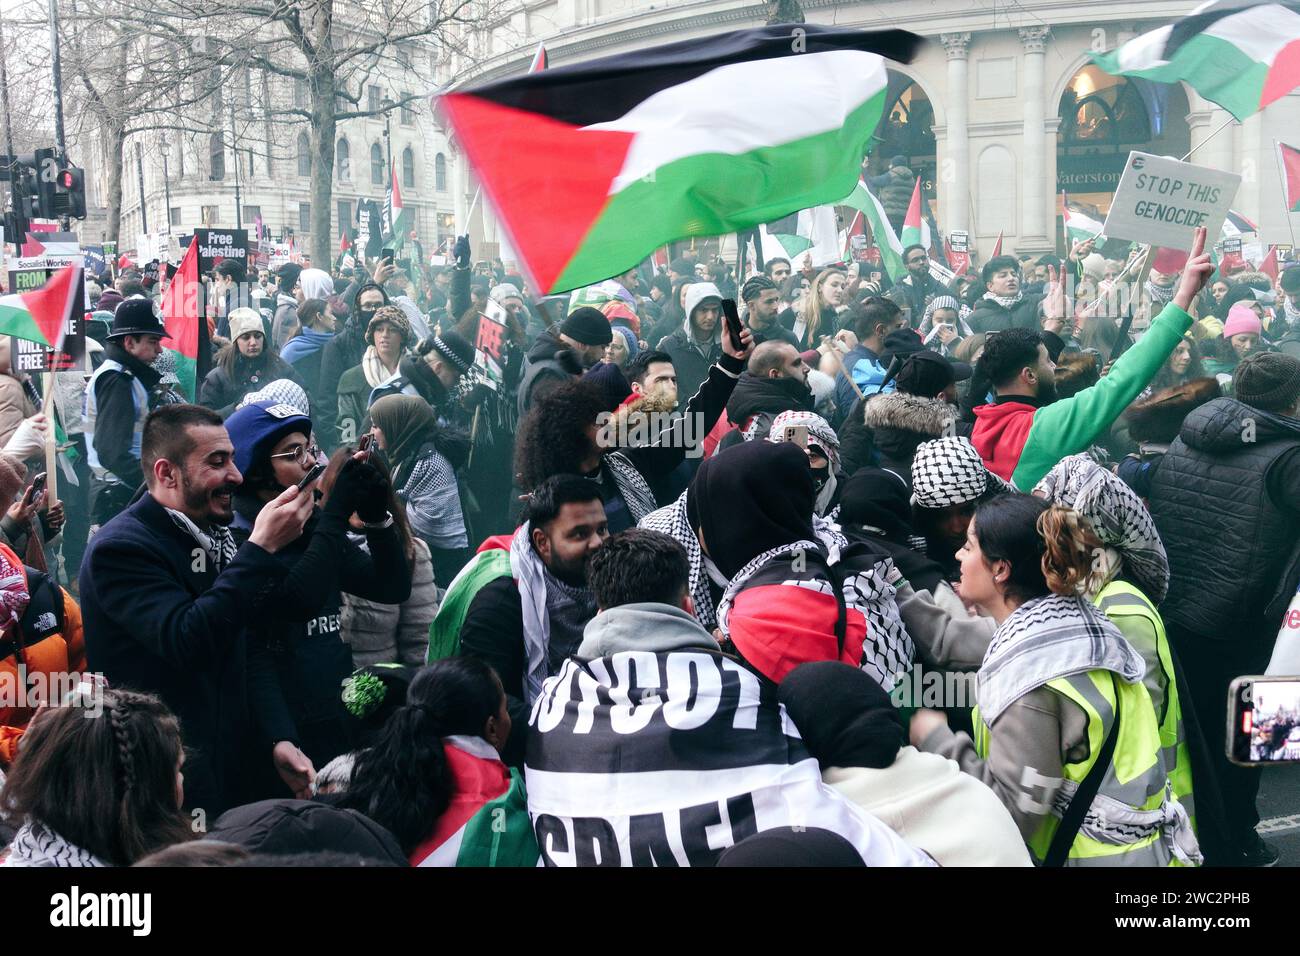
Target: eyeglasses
<point>301,454</point>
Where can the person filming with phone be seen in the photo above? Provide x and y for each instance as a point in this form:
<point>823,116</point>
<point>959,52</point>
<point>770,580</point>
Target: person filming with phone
<point>297,657</point>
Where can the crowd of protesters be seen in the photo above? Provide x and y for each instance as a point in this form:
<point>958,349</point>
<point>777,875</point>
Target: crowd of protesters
<point>349,606</point>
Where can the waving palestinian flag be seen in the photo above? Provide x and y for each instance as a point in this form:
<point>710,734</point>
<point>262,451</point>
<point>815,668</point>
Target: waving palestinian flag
<point>397,223</point>
<point>42,315</point>
<point>1237,54</point>
<point>891,247</point>
<point>1290,157</point>
<point>593,166</point>
<point>187,330</point>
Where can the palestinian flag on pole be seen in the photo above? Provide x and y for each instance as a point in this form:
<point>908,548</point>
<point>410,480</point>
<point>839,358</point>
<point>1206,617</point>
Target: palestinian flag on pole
<point>397,222</point>
<point>541,60</point>
<point>1290,157</point>
<point>187,328</point>
<point>1237,54</point>
<point>882,233</point>
<point>912,223</point>
<point>806,231</point>
<point>42,315</point>
<point>594,165</point>
<point>486,823</point>
<point>1079,225</point>
<point>997,246</point>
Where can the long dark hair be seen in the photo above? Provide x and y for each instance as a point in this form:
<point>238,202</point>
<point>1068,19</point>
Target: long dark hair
<point>1051,549</point>
<point>1165,378</point>
<point>403,782</point>
<point>232,360</point>
<point>107,785</point>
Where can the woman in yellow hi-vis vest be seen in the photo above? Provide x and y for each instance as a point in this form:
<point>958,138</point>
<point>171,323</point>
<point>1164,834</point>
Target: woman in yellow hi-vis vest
<point>1065,731</point>
<point>1134,581</point>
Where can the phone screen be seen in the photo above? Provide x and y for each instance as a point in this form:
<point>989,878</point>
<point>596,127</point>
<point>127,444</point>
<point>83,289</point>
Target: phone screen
<point>1264,720</point>
<point>386,254</point>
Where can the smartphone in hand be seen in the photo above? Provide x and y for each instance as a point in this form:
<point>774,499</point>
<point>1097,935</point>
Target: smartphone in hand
<point>731,316</point>
<point>311,476</point>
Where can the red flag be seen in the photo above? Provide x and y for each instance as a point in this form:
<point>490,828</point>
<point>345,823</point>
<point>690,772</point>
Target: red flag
<point>1291,166</point>
<point>958,262</point>
<point>1169,261</point>
<point>1269,265</point>
<point>540,59</point>
<point>344,242</point>
<point>997,246</point>
<point>187,330</point>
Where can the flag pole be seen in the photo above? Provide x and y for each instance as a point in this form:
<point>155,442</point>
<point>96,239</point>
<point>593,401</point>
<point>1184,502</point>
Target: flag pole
<point>51,440</point>
<point>1281,181</point>
<point>1230,120</point>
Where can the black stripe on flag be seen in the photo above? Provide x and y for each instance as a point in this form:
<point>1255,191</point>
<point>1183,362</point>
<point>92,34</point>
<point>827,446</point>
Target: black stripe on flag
<point>1190,26</point>
<point>598,91</point>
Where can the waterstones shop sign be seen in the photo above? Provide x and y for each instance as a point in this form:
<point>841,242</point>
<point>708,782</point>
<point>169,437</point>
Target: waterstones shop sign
<point>1093,173</point>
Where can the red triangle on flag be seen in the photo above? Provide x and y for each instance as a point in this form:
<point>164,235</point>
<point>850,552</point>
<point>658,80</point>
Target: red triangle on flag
<point>1269,265</point>
<point>548,180</point>
<point>1291,163</point>
<point>52,303</point>
<point>997,246</point>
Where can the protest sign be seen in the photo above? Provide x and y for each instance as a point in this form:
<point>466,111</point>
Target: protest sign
<point>1161,201</point>
<point>277,254</point>
<point>490,343</point>
<point>31,356</point>
<point>95,259</point>
<point>218,245</point>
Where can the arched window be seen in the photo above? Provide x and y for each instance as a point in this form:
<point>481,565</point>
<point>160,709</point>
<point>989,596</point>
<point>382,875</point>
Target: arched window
<point>906,127</point>
<point>1098,109</point>
<point>217,154</point>
<point>408,168</point>
<point>440,172</point>
<point>304,155</point>
<point>376,165</point>
<point>343,156</point>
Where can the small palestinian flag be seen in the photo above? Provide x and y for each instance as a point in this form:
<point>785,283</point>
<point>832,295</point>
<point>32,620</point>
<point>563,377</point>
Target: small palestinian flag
<point>397,223</point>
<point>486,823</point>
<point>42,315</point>
<point>882,233</point>
<point>594,165</point>
<point>1240,55</point>
<point>997,246</point>
<point>540,59</point>
<point>912,221</point>
<point>1290,157</point>
<point>1078,224</point>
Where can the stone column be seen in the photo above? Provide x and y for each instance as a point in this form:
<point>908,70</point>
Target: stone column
<point>954,171</point>
<point>1034,232</point>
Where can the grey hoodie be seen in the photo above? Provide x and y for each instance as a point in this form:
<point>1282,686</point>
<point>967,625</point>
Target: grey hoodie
<point>643,627</point>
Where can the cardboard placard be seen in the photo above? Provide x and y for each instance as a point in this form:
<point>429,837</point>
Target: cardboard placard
<point>959,241</point>
<point>1161,201</point>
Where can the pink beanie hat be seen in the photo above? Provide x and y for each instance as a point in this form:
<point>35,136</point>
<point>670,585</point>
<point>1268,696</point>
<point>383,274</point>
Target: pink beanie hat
<point>1241,318</point>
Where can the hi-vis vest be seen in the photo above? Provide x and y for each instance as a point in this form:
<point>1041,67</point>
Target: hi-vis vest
<point>1123,827</point>
<point>1136,617</point>
<point>139,397</point>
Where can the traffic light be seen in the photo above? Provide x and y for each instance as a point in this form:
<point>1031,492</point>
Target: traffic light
<point>45,170</point>
<point>70,193</point>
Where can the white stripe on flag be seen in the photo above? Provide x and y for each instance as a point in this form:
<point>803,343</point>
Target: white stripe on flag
<point>743,106</point>
<point>449,852</point>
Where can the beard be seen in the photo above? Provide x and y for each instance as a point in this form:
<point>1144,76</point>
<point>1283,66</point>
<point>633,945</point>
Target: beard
<point>572,571</point>
<point>1046,390</point>
<point>204,504</point>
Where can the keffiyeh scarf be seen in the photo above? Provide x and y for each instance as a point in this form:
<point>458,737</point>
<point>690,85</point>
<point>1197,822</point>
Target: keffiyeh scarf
<point>36,845</point>
<point>1047,638</point>
<point>636,493</point>
<point>1118,517</point>
<point>1006,301</point>
<point>217,541</point>
<point>821,434</point>
<point>949,471</point>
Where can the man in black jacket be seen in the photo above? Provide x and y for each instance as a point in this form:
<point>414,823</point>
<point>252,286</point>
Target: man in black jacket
<point>1005,304</point>
<point>164,592</point>
<point>341,353</point>
<point>119,397</point>
<point>563,353</point>
<point>918,287</point>
<point>774,381</point>
<point>526,627</point>
<point>1226,501</point>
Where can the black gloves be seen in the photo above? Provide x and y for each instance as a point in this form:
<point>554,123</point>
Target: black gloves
<point>461,252</point>
<point>360,489</point>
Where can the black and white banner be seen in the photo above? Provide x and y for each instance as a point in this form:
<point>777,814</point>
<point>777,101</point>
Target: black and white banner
<point>645,759</point>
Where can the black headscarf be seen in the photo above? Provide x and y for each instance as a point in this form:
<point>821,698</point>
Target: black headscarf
<point>845,718</point>
<point>876,498</point>
<point>751,498</point>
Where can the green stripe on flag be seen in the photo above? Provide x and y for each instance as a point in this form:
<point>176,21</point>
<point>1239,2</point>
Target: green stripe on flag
<point>711,194</point>
<point>185,371</point>
<point>891,250</point>
<point>17,321</point>
<point>1213,66</point>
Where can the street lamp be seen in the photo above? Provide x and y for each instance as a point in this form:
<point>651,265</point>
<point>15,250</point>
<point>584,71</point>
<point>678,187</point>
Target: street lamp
<point>165,148</point>
<point>388,104</point>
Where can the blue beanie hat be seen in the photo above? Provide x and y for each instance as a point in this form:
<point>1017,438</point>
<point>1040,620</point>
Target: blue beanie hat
<point>254,430</point>
<point>630,337</point>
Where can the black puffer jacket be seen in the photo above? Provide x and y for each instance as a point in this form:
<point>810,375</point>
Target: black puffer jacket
<point>223,391</point>
<point>765,398</point>
<point>899,422</point>
<point>1226,501</point>
<point>991,316</point>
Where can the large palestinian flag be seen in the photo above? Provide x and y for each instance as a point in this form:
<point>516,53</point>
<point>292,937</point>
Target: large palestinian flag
<point>42,315</point>
<point>1237,54</point>
<point>594,165</point>
<point>187,328</point>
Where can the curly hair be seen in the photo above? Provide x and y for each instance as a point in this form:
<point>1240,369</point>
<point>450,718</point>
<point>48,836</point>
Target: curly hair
<point>554,438</point>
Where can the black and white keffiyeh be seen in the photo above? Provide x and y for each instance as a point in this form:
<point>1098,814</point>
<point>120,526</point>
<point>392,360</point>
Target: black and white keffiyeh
<point>217,541</point>
<point>1006,301</point>
<point>638,497</point>
<point>1118,517</point>
<point>1046,638</point>
<point>949,471</point>
<point>37,845</point>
